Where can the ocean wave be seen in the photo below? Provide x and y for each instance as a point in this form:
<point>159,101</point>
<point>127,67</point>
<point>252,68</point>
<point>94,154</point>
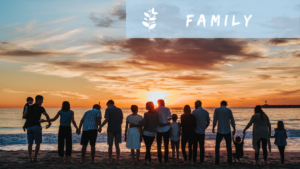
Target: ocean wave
<point>52,138</point>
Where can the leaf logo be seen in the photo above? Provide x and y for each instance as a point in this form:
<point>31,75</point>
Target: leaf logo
<point>149,21</point>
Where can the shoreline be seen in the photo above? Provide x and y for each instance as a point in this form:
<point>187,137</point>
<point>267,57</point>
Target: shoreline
<point>50,159</point>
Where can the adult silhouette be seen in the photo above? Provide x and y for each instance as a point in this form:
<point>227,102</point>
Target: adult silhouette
<point>223,116</point>
<point>261,132</point>
<point>203,121</point>
<point>164,115</point>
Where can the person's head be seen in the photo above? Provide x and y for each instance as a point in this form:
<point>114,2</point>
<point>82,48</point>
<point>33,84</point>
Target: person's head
<point>198,103</point>
<point>96,106</point>
<point>258,109</point>
<point>223,103</point>
<point>110,103</point>
<point>280,125</point>
<point>65,106</point>
<point>29,100</point>
<point>174,117</point>
<point>187,109</point>
<point>161,102</point>
<point>150,107</point>
<point>237,139</point>
<point>39,99</point>
<point>134,109</point>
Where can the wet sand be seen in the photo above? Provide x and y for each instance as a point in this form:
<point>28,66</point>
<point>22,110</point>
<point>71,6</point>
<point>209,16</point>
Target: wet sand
<point>50,159</point>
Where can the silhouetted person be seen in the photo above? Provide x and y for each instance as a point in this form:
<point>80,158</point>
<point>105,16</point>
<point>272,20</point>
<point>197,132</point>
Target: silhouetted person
<point>164,115</point>
<point>280,139</point>
<point>203,121</point>
<point>65,130</point>
<point>29,101</point>
<point>261,132</point>
<point>188,125</point>
<point>34,129</point>
<point>239,148</point>
<point>175,131</point>
<point>114,118</point>
<point>150,123</point>
<point>223,116</point>
<point>133,137</point>
<point>90,121</point>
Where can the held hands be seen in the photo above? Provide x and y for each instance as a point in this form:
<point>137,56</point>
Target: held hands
<point>233,132</point>
<point>100,129</point>
<point>49,125</point>
<point>213,130</point>
<point>141,138</point>
<point>78,131</point>
<point>244,132</point>
<point>41,121</point>
<point>125,137</point>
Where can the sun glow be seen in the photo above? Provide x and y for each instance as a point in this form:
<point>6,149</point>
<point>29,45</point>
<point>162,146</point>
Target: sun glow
<point>153,96</point>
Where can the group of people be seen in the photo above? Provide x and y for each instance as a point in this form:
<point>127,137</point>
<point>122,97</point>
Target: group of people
<point>155,123</point>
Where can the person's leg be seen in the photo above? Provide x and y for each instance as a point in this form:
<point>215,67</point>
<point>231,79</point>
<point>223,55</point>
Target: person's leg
<point>132,156</point>
<point>61,142</point>
<point>110,152</point>
<point>118,140</point>
<point>183,144</point>
<point>150,142</point>
<point>118,151</point>
<point>281,150</point>
<point>110,139</point>
<point>166,136</point>
<point>177,151</point>
<point>202,141</point>
<point>195,147</point>
<point>257,153</point>
<point>147,144</point>
<point>30,152</point>
<point>265,151</point>
<point>83,152</point>
<point>93,151</point>
<point>190,150</point>
<point>38,140</point>
<point>30,138</point>
<point>217,148</point>
<point>137,156</point>
<point>159,139</point>
<point>69,142</point>
<point>228,147</point>
<point>173,151</point>
<point>36,151</point>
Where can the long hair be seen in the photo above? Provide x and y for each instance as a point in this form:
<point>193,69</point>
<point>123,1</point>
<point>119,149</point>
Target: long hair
<point>280,125</point>
<point>258,109</point>
<point>65,106</point>
<point>187,109</point>
<point>150,107</point>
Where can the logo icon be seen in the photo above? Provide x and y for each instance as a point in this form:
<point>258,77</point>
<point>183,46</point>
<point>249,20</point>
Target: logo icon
<point>150,19</point>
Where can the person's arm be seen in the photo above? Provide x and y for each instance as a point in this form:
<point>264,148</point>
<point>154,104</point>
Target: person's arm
<point>207,121</point>
<point>286,135</point>
<point>126,129</point>
<point>25,112</point>
<point>51,120</point>
<point>106,116</point>
<point>249,124</point>
<point>232,121</point>
<point>215,121</point>
<point>99,124</point>
<point>73,121</point>
<point>269,126</point>
<point>80,125</point>
<point>48,119</point>
<point>141,134</point>
<point>179,129</point>
<point>243,138</point>
<point>275,135</point>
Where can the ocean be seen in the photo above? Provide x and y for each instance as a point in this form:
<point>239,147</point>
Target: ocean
<point>12,136</point>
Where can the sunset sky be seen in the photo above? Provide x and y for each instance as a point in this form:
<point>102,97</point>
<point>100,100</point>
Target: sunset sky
<point>77,51</point>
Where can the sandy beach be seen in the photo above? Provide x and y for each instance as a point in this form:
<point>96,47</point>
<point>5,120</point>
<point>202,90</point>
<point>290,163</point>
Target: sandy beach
<point>49,159</point>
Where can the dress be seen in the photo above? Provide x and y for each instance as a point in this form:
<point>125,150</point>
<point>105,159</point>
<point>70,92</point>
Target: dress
<point>260,129</point>
<point>133,138</point>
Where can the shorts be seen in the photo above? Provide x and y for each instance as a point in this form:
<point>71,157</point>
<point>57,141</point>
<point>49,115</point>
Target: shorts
<point>34,133</point>
<point>237,155</point>
<point>111,136</point>
<point>90,135</point>
<point>175,144</point>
